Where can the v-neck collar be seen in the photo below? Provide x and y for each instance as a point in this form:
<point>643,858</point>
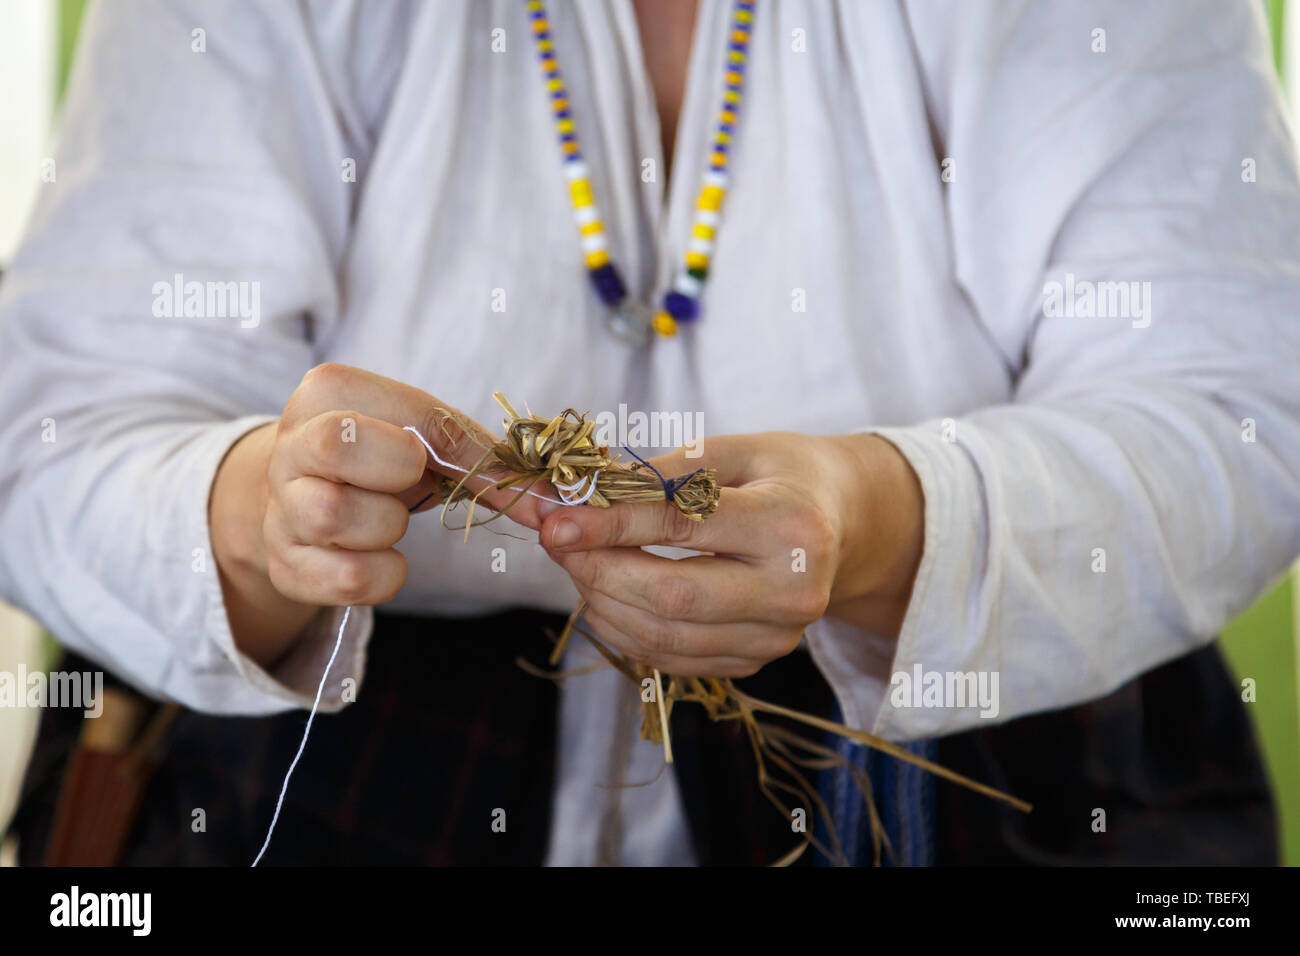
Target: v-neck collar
<point>669,203</point>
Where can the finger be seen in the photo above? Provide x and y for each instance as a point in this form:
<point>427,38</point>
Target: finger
<point>324,513</point>
<point>735,528</point>
<point>704,589</point>
<point>332,386</point>
<point>740,640</point>
<point>454,442</point>
<point>668,663</point>
<point>335,577</point>
<point>356,449</point>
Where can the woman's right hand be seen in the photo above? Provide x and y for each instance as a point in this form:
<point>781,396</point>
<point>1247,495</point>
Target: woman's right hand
<point>305,513</point>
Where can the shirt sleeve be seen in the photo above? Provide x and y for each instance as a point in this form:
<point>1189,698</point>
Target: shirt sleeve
<point>1125,218</point>
<point>177,273</point>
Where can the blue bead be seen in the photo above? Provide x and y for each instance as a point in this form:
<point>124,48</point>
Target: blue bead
<point>681,306</point>
<point>609,284</point>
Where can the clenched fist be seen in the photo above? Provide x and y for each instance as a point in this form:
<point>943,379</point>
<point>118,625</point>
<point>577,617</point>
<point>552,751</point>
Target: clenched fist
<point>306,512</point>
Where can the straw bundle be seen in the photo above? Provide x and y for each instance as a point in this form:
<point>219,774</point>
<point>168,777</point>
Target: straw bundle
<point>561,450</point>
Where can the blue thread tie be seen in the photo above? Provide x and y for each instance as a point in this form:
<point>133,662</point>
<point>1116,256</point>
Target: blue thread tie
<point>671,486</point>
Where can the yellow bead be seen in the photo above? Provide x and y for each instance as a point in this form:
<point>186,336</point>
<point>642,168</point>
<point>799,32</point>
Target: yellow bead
<point>541,26</point>
<point>702,231</point>
<point>710,197</point>
<point>591,228</point>
<point>597,259</point>
<point>665,325</point>
<point>697,260</point>
<point>580,190</point>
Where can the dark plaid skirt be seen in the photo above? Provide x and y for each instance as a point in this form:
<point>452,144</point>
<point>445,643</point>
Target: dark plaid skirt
<point>448,730</point>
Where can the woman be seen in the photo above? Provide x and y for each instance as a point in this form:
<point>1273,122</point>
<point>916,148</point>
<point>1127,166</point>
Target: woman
<point>989,297</point>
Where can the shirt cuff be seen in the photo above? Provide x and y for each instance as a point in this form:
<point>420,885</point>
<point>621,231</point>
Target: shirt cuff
<point>294,679</point>
<point>934,633</point>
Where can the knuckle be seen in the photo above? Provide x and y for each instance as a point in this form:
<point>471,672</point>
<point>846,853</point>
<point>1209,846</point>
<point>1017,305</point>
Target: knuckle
<point>401,520</point>
<point>418,460</point>
<point>809,603</point>
<point>352,581</point>
<point>327,510</point>
<point>321,440</point>
<point>664,639</point>
<point>386,587</point>
<point>283,578</point>
<point>676,528</point>
<point>620,525</point>
<point>326,437</point>
<point>818,530</point>
<point>589,572</point>
<point>674,597</point>
<point>327,375</point>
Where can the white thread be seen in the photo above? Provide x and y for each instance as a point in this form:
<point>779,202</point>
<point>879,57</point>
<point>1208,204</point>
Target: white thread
<point>562,500</point>
<point>347,612</point>
<point>284,788</point>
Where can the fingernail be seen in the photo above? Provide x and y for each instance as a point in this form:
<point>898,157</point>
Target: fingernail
<point>565,533</point>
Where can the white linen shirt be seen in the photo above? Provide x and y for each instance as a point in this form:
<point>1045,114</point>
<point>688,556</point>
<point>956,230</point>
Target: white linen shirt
<point>909,179</point>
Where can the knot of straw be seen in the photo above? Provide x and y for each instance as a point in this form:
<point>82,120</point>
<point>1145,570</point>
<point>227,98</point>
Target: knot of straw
<point>561,450</point>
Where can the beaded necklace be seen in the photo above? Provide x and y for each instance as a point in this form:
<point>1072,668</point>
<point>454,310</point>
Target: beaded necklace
<point>681,303</point>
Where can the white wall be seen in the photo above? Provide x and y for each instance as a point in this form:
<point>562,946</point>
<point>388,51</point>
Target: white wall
<point>27,75</point>
<point>27,80</point>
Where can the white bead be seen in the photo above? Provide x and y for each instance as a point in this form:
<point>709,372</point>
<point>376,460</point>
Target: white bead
<point>687,284</point>
<point>593,243</point>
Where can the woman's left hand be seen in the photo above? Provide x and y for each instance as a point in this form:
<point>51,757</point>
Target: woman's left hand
<point>806,526</point>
